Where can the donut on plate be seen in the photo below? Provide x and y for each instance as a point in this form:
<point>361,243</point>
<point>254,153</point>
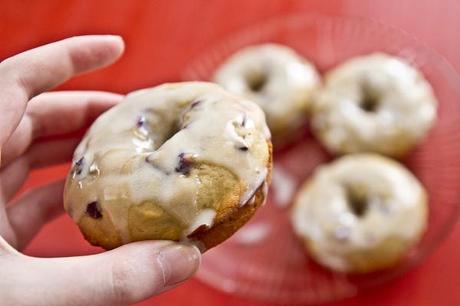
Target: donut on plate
<point>180,161</point>
<point>373,103</point>
<point>276,78</point>
<point>361,213</point>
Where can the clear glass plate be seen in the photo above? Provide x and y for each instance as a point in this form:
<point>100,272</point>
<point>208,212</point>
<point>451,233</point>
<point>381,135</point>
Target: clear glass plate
<point>264,260</point>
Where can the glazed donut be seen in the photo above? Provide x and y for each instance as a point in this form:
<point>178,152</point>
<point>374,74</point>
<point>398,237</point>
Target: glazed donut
<point>181,161</point>
<point>374,103</point>
<point>276,78</point>
<point>361,213</point>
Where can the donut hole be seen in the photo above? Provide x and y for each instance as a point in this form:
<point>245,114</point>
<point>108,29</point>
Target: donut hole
<point>158,126</point>
<point>257,81</point>
<point>369,103</point>
<point>357,202</point>
<point>174,128</point>
<point>370,100</point>
<point>168,132</point>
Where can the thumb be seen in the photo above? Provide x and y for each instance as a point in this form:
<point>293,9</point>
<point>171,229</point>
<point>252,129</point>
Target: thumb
<point>122,276</point>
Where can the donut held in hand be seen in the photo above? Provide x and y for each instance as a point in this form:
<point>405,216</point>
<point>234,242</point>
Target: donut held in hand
<point>181,161</point>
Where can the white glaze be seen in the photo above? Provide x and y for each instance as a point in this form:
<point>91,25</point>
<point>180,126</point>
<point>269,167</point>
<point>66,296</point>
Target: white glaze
<point>396,208</point>
<point>138,161</point>
<point>406,106</point>
<point>290,80</point>
<point>204,218</point>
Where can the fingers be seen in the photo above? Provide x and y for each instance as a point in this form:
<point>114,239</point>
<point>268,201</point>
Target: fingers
<point>56,113</point>
<point>32,72</point>
<point>88,105</point>
<point>39,155</point>
<point>12,177</point>
<point>6,249</point>
<point>6,232</point>
<point>32,210</point>
<point>122,276</point>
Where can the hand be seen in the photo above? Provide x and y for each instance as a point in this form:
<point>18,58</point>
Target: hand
<point>30,120</point>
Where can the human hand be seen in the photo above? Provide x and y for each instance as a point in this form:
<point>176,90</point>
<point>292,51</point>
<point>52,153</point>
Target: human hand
<point>30,120</point>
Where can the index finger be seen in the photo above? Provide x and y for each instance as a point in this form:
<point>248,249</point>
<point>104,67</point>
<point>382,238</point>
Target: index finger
<point>32,72</point>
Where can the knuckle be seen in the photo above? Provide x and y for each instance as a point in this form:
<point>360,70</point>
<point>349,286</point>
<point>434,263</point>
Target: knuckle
<point>121,284</point>
<point>133,281</point>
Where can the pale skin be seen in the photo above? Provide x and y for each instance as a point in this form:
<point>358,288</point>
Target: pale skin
<point>30,120</point>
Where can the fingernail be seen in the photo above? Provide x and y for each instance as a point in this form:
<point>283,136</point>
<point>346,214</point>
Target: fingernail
<point>179,262</point>
<point>114,37</point>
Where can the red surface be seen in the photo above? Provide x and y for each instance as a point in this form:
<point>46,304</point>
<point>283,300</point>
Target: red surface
<point>161,37</point>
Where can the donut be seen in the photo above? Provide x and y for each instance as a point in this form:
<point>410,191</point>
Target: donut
<point>181,161</point>
<point>374,103</point>
<point>276,78</point>
<point>361,213</point>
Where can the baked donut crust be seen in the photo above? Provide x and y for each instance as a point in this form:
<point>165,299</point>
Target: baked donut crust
<point>230,222</point>
<point>191,195</point>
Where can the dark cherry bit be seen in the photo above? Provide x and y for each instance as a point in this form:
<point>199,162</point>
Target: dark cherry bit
<point>185,163</point>
<point>243,148</point>
<point>79,165</point>
<point>195,103</point>
<point>92,209</point>
<point>243,122</point>
<point>140,121</point>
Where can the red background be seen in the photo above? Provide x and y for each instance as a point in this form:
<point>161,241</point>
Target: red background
<point>161,37</point>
